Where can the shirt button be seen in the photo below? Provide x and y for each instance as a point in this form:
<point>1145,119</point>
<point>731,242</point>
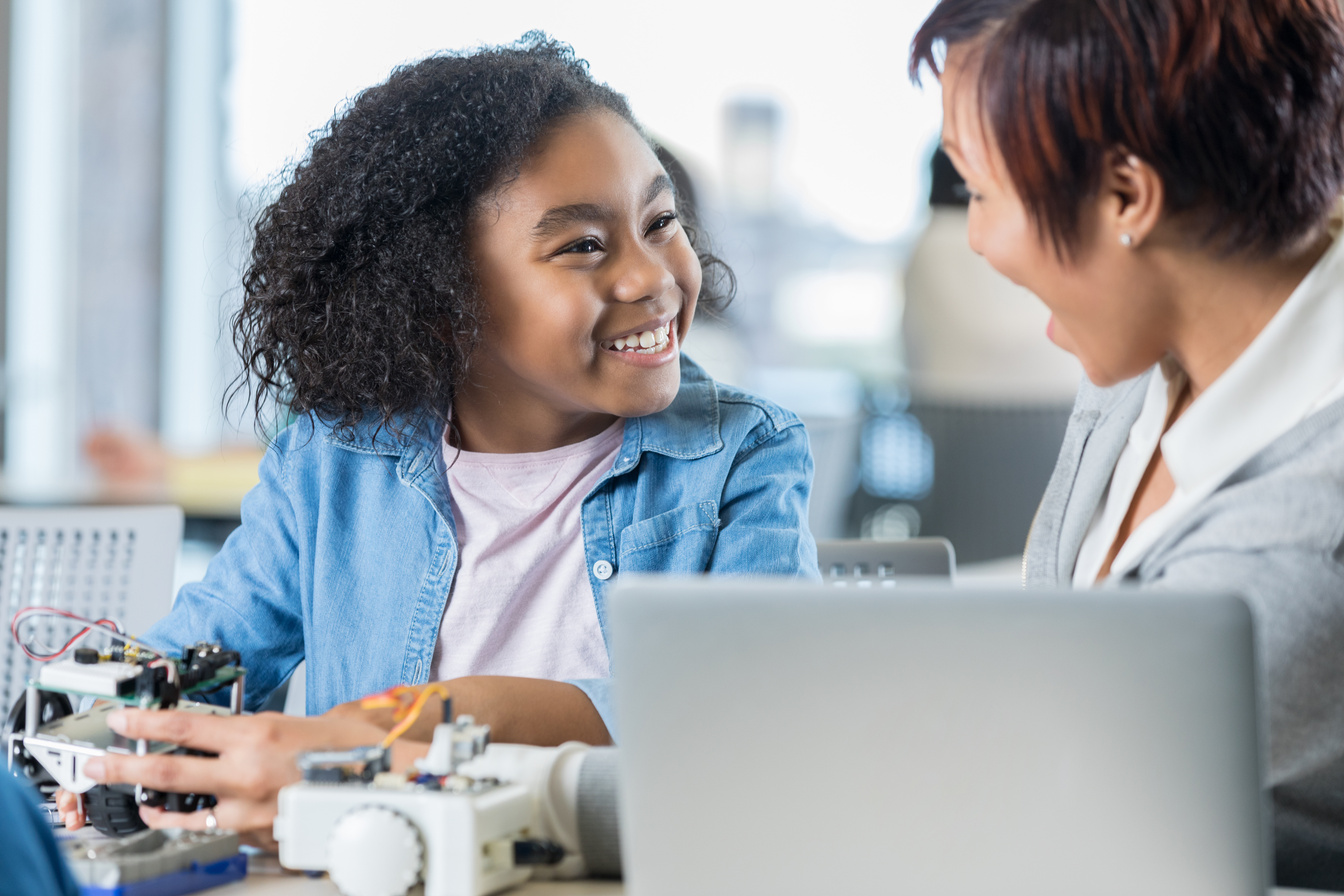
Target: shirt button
<point>602,569</point>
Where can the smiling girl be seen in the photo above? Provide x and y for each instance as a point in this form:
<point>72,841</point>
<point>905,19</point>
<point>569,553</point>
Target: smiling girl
<point>473,293</point>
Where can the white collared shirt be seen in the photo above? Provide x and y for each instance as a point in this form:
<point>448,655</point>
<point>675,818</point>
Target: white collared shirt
<point>1292,369</point>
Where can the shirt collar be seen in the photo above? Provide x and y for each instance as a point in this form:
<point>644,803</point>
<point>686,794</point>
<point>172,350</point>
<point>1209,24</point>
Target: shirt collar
<point>688,428</point>
<point>1281,377</point>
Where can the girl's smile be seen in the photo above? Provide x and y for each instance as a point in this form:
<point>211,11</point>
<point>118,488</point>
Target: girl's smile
<point>651,345</point>
<point>589,283</point>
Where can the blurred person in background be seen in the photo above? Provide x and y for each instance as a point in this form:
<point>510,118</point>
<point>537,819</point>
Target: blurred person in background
<point>1163,177</point>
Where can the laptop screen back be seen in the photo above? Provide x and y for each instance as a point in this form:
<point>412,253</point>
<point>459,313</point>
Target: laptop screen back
<point>780,737</point>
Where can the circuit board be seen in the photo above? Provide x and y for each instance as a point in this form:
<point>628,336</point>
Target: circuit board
<point>134,677</point>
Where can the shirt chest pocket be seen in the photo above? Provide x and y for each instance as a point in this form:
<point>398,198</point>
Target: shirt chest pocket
<point>680,540</point>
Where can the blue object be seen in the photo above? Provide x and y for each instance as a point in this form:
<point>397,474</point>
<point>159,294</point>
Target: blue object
<point>896,458</point>
<point>30,861</point>
<point>348,547</point>
<point>193,878</point>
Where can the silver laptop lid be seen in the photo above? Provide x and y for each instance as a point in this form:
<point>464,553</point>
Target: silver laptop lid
<point>779,737</point>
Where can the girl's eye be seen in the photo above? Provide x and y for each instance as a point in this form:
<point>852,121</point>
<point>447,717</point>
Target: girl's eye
<point>586,246</point>
<point>663,222</point>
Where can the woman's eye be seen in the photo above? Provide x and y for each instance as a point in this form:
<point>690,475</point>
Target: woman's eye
<point>965,193</point>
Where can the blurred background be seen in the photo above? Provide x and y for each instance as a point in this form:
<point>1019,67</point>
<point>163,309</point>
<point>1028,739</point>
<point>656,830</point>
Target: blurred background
<point>140,136</point>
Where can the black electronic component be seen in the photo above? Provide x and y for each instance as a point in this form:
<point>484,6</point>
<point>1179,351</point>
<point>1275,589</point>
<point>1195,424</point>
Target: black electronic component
<point>381,763</point>
<point>145,691</point>
<point>325,774</point>
<point>188,802</point>
<point>176,802</point>
<point>537,852</point>
<point>86,655</point>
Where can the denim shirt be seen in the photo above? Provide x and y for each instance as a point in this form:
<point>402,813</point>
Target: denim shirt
<point>347,549</point>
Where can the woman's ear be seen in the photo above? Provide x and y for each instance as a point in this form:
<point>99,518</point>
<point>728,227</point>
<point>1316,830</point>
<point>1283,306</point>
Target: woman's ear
<point>1135,195</point>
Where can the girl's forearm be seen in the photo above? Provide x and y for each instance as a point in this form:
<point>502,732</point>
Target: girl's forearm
<point>518,710</point>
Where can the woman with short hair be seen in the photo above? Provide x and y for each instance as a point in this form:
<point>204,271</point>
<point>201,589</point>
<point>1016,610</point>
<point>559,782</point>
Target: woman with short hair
<point>1163,176</point>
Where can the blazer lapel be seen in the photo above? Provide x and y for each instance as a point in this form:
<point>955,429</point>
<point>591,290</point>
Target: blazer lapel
<point>1097,452</point>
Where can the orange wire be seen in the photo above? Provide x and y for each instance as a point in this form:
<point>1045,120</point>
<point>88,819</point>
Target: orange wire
<point>408,708</point>
<point>392,697</point>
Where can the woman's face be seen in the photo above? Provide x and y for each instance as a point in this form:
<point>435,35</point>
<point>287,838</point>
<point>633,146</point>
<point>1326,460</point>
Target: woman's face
<point>1100,311</point>
<point>589,280</point>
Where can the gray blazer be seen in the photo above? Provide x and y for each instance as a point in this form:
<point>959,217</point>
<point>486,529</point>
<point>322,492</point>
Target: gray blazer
<point>1273,532</point>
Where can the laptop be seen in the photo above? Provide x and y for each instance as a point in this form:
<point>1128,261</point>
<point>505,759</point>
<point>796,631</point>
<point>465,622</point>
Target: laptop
<point>780,737</point>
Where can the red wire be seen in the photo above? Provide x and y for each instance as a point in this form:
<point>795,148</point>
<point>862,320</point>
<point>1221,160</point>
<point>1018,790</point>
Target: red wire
<point>52,611</point>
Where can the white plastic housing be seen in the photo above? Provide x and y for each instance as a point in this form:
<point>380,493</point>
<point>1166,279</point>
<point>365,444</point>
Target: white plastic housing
<point>468,837</point>
<point>63,746</point>
<point>93,679</point>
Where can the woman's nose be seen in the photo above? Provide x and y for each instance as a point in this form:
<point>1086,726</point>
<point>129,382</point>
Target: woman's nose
<point>642,274</point>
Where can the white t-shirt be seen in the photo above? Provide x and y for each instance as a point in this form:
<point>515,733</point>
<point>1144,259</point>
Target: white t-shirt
<point>521,600</point>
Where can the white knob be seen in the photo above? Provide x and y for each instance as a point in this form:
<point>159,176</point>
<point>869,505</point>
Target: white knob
<point>602,570</point>
<point>374,851</point>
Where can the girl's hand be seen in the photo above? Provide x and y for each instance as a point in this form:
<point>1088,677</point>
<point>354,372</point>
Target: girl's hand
<point>256,758</point>
<point>68,805</point>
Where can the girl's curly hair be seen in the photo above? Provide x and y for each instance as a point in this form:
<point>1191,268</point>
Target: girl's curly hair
<point>360,302</point>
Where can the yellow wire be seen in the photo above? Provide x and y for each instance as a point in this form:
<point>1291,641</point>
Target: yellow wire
<point>392,697</point>
<point>407,715</point>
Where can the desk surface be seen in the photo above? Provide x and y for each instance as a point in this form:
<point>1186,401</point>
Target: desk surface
<point>286,885</point>
<point>269,880</point>
<point>298,885</point>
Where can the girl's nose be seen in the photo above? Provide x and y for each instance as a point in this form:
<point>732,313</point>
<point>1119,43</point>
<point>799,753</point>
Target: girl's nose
<point>642,275</point>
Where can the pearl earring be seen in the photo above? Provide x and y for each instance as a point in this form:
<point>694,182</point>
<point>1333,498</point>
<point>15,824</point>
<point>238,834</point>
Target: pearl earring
<point>1127,241</point>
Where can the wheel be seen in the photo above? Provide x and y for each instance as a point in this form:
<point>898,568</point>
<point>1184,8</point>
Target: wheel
<point>113,812</point>
<point>51,706</point>
<point>374,851</point>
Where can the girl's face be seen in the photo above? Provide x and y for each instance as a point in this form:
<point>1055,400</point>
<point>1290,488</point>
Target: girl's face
<point>589,280</point>
<point>1103,307</point>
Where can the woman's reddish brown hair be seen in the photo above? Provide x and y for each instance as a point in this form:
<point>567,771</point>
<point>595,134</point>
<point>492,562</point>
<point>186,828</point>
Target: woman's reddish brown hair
<point>1237,104</point>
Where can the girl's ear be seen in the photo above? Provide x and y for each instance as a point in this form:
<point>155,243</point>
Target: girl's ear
<point>1134,197</point>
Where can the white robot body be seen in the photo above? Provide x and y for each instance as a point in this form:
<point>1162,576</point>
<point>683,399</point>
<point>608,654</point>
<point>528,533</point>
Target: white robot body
<point>381,833</point>
<point>457,843</point>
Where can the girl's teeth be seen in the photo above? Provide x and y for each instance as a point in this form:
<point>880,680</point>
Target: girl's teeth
<point>647,343</point>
